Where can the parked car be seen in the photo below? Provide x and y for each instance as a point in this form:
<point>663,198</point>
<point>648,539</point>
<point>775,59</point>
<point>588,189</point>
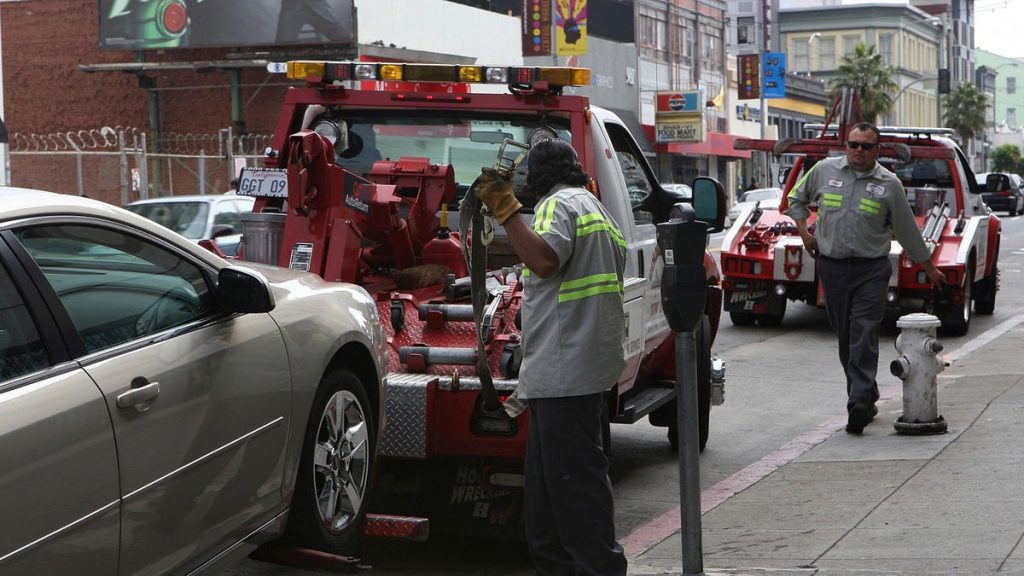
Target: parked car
<point>768,197</point>
<point>200,217</point>
<point>161,408</point>
<point>682,189</point>
<point>1002,191</point>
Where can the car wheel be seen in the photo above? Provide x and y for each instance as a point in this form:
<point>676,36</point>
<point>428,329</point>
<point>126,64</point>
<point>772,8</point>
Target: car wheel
<point>335,473</point>
<point>703,389</point>
<point>957,320</point>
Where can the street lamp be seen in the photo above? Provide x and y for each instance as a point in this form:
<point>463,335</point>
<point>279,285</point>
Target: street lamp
<point>809,40</point>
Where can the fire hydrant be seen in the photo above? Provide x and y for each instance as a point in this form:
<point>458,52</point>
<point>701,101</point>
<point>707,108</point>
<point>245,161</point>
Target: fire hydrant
<point>918,366</point>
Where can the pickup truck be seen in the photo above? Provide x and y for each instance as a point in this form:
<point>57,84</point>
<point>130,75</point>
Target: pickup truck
<point>362,183</point>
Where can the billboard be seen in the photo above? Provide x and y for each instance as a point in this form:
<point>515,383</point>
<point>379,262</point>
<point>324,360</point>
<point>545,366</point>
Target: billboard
<point>571,27</point>
<point>162,24</point>
<point>749,76</point>
<point>536,28</point>
<point>773,74</point>
<point>679,117</point>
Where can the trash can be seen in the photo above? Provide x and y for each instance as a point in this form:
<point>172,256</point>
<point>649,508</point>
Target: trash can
<point>261,236</point>
<point>925,199</point>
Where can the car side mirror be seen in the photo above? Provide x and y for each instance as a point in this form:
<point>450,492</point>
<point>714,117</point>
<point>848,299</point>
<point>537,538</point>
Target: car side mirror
<point>222,230</point>
<point>243,290</point>
<point>709,203</point>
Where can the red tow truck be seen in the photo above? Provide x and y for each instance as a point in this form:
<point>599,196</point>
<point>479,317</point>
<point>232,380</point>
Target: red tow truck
<point>362,184</point>
<point>764,263</point>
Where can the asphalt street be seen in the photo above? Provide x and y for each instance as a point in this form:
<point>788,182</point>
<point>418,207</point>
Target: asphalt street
<point>783,383</point>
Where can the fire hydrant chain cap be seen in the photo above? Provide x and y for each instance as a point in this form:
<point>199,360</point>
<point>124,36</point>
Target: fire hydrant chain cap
<point>918,321</point>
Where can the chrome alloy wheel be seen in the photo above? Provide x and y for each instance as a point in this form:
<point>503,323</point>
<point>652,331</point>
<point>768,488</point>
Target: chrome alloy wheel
<point>341,461</point>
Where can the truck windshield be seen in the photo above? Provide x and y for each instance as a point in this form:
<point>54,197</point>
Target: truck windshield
<point>467,143</point>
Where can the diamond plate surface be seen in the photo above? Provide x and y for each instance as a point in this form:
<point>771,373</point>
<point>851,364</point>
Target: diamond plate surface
<point>405,431</point>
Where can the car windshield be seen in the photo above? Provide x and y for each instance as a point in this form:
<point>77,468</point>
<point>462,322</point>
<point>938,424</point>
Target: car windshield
<point>468,141</point>
<point>185,218</point>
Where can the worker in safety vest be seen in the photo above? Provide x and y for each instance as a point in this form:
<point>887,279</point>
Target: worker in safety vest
<point>573,324</point>
<point>861,205</point>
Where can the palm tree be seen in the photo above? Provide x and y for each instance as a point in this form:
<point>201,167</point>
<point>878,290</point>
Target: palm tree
<point>965,111</point>
<point>867,73</point>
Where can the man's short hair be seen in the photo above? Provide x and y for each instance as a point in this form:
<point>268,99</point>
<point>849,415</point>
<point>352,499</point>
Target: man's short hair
<point>867,127</point>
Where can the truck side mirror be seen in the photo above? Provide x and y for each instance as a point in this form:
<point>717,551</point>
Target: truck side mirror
<point>682,241</point>
<point>709,203</point>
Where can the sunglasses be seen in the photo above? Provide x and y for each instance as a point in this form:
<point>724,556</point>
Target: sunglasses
<point>862,145</point>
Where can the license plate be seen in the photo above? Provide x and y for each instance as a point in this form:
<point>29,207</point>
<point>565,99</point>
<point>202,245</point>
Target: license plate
<point>263,182</point>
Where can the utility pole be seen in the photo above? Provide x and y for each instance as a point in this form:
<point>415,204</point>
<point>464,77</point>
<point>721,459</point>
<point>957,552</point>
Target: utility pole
<point>762,43</point>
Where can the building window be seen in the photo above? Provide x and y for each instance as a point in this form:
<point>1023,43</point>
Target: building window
<point>1011,117</point>
<point>850,42</point>
<point>653,32</point>
<point>1011,84</point>
<point>682,41</point>
<point>827,53</point>
<point>711,47</point>
<point>885,48</point>
<point>745,32</point>
<point>801,62</point>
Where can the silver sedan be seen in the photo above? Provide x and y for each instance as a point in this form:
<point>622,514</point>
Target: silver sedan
<point>163,410</point>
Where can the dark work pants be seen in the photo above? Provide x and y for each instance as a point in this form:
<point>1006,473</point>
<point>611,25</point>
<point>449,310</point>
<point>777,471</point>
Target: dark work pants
<point>570,517</point>
<point>855,291</point>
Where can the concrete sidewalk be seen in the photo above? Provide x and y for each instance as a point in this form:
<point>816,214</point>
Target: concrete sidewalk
<point>883,503</point>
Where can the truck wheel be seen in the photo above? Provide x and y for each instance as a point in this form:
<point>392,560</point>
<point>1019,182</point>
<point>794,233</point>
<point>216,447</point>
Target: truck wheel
<point>985,301</point>
<point>742,318</point>
<point>957,320</point>
<point>703,389</point>
<point>333,488</point>
<point>773,319</point>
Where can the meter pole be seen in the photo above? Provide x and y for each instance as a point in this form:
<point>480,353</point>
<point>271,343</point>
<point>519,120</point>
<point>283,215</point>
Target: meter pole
<point>689,450</point>
<point>682,240</point>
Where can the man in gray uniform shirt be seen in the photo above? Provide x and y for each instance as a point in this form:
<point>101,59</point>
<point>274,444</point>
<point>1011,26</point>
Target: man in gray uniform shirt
<point>573,323</point>
<point>860,206</point>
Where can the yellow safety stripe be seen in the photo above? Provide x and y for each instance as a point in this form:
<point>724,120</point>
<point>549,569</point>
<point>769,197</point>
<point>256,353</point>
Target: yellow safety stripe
<point>799,183</point>
<point>588,286</point>
<point>545,216</point>
<point>596,222</point>
<point>832,200</point>
<point>870,206</point>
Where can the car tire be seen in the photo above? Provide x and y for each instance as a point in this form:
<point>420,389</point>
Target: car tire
<point>335,468</point>
<point>703,389</point>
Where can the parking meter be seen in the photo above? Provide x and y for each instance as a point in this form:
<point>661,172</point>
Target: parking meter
<point>682,241</point>
<point>683,284</point>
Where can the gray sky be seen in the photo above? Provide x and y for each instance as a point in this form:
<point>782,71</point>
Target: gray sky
<point>999,26</point>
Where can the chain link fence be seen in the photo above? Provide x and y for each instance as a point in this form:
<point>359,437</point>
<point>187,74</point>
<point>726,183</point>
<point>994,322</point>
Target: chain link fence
<point>122,164</point>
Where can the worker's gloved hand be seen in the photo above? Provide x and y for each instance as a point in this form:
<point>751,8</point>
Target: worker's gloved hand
<point>496,193</point>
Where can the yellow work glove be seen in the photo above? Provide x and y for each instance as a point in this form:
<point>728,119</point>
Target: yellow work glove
<point>496,193</point>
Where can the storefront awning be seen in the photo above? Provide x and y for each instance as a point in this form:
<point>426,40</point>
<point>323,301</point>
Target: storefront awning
<point>716,144</point>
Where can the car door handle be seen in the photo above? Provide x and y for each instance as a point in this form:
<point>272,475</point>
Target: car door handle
<point>138,395</point>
